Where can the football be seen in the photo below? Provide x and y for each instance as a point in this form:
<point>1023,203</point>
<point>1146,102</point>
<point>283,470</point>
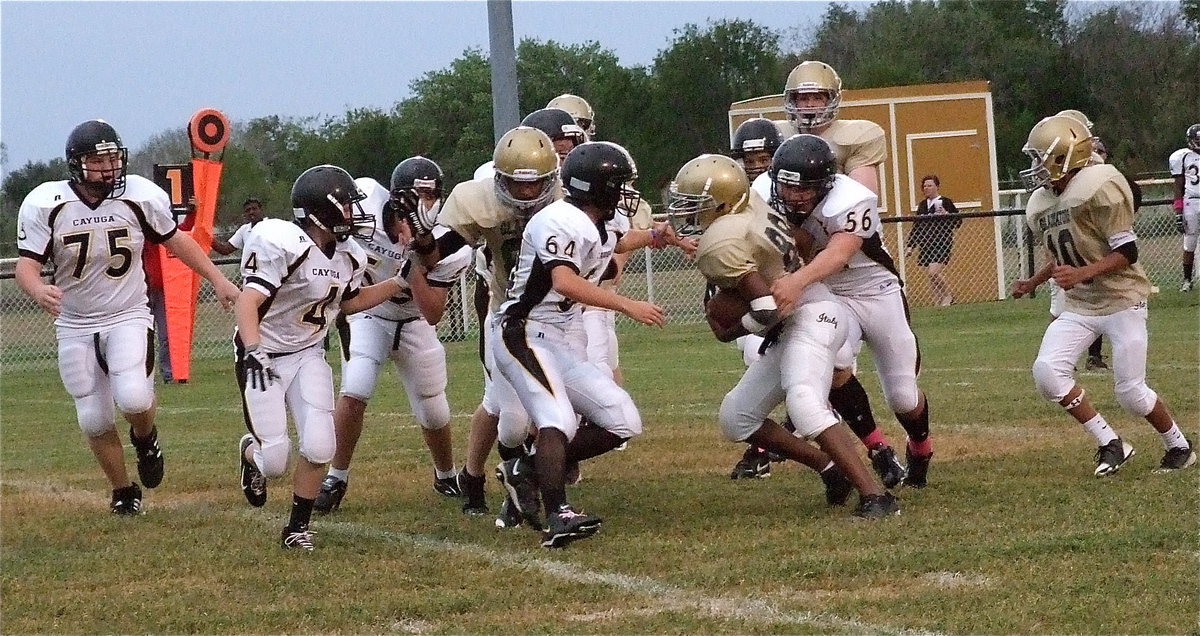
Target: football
<point>726,308</point>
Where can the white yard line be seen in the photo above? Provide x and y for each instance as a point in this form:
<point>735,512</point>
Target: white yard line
<point>667,596</point>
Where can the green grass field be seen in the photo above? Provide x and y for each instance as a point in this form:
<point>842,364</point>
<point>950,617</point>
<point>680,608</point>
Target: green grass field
<point>1013,535</point>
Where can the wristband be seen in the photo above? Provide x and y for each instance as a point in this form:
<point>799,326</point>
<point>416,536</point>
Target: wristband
<point>752,325</point>
<point>763,303</point>
<point>1178,204</point>
<point>656,241</point>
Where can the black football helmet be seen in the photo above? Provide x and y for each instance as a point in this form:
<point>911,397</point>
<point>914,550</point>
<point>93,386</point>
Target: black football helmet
<point>601,173</point>
<point>806,161</point>
<point>1193,137</point>
<point>754,135</point>
<point>326,196</point>
<point>418,172</point>
<point>96,136</point>
<point>556,123</point>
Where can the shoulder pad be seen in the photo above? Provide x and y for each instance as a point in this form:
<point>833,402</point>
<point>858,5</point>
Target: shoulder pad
<point>1089,181</point>
<point>846,193</point>
<point>142,190</point>
<point>853,132</point>
<point>50,194</point>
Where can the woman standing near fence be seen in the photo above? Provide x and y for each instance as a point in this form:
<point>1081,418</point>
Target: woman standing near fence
<point>935,237</point>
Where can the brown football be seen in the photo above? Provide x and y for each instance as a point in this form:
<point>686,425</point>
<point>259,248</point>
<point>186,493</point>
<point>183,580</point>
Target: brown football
<point>726,307</point>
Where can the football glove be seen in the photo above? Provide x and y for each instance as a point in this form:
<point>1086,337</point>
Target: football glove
<point>408,203</point>
<point>259,374</point>
<point>1179,225</point>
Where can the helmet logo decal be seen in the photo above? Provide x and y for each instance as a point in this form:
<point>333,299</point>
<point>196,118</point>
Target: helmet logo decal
<point>580,184</point>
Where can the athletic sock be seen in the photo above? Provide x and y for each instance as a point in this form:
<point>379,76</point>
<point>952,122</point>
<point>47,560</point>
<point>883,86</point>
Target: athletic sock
<point>874,439</point>
<point>923,448</point>
<point>1100,429</point>
<point>301,513</point>
<point>343,475</point>
<point>445,474</point>
<point>851,403</point>
<point>1173,438</point>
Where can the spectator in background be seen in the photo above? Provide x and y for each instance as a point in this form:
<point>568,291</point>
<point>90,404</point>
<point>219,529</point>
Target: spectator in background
<point>158,307</point>
<point>935,238</point>
<point>252,213</point>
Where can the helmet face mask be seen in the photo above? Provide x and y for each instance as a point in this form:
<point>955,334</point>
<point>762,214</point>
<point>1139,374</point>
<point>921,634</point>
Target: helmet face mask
<point>754,143</point>
<point>94,149</point>
<point>1056,146</point>
<point>802,163</point>
<point>526,170</point>
<point>805,82</point>
<point>1193,137</point>
<point>704,189</point>
<point>327,197</point>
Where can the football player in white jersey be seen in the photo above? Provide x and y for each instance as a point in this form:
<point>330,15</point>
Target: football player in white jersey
<point>1083,214</point>
<point>564,251</point>
<point>252,213</point>
<point>746,246</point>
<point>838,235</point>
<point>93,227</point>
<point>812,99</point>
<point>297,278</point>
<point>490,213</point>
<point>402,329</point>
<point>1185,170</point>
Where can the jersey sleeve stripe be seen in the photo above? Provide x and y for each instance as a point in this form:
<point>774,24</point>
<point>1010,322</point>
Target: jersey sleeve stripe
<point>147,229</point>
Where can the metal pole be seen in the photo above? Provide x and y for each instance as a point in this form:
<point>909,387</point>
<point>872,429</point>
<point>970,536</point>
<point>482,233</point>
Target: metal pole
<point>505,108</point>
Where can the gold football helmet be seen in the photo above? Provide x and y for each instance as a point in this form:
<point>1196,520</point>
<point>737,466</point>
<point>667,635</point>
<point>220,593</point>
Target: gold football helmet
<point>1056,146</point>
<point>808,78</point>
<point>525,155</point>
<point>707,187</point>
<point>1077,116</point>
<point>579,109</point>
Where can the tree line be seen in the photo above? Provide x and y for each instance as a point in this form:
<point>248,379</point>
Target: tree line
<point>1130,66</point>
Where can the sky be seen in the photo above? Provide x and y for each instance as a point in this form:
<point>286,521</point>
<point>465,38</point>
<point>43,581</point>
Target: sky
<point>145,67</point>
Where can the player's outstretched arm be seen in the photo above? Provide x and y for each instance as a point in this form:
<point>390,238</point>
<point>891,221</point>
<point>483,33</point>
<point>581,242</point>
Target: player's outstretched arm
<point>185,247</point>
<point>430,300</point>
<point>566,282</point>
<point>1027,285</point>
<point>29,277</point>
<point>842,245</point>
<point>371,295</point>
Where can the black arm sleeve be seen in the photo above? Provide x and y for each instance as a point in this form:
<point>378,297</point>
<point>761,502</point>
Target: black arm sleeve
<point>1130,250</point>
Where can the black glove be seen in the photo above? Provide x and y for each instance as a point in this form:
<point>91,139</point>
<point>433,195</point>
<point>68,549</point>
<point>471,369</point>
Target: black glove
<point>408,203</point>
<point>259,374</point>
<point>1179,223</point>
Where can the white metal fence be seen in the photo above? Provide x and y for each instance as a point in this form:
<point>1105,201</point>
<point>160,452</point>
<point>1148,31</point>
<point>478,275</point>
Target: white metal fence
<point>989,253</point>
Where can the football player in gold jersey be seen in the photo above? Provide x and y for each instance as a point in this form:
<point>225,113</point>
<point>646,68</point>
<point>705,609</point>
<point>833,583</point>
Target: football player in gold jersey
<point>811,98</point>
<point>1083,214</point>
<point>747,245</point>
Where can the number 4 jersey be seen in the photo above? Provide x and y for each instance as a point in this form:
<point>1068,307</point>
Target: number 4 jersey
<point>1092,217</point>
<point>97,252</point>
<point>304,287</point>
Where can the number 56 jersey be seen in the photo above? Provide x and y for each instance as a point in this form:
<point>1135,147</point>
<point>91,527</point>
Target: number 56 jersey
<point>304,287</point>
<point>1092,217</point>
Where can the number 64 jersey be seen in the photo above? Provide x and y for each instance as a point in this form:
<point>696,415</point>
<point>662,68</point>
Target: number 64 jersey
<point>304,287</point>
<point>1092,217</point>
